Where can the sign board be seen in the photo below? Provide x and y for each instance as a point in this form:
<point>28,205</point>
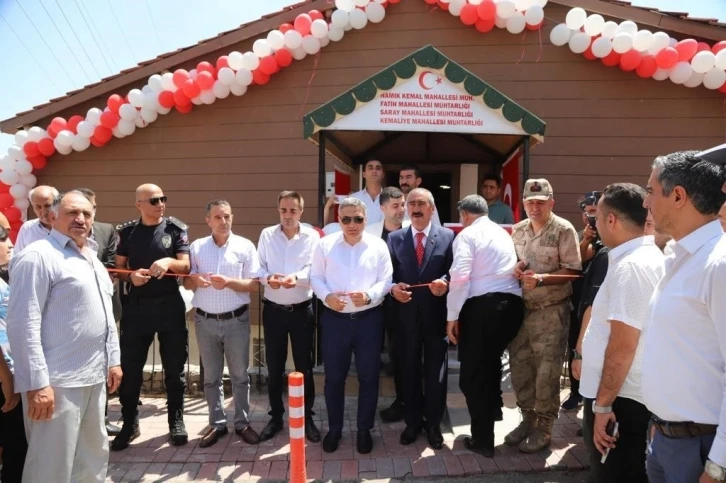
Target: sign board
<point>427,102</point>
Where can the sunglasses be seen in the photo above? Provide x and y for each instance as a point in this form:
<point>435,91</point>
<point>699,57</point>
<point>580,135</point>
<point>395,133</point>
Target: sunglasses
<point>3,234</point>
<point>358,220</point>
<point>156,200</point>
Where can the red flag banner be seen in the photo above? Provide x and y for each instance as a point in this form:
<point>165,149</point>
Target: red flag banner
<point>510,184</point>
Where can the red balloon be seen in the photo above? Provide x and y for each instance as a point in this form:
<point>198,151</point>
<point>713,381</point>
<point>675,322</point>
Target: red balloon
<point>703,46</point>
<point>484,26</point>
<point>207,67</point>
<point>718,47</point>
<point>534,27</point>
<point>666,58</point>
<point>181,99</point>
<point>444,6</point>
<point>31,149</point>
<point>686,49</point>
<point>486,10</point>
<point>51,131</point>
<point>114,103</point>
<point>722,89</point>
<point>109,119</point>
<point>184,108</point>
<point>647,66</point>
<point>102,134</point>
<point>38,162</point>
<point>222,62</point>
<point>285,27</point>
<point>588,53</point>
<point>302,23</point>
<point>4,188</point>
<point>15,226</point>
<point>6,201</point>
<point>96,142</point>
<point>57,125</point>
<point>166,99</point>
<point>180,77</point>
<point>260,77</point>
<point>268,65</point>
<point>469,15</point>
<point>205,80</point>
<point>191,89</point>
<point>73,123</point>
<point>431,2</point>
<point>611,60</point>
<point>630,60</point>
<point>393,1</point>
<point>283,57</point>
<point>315,15</point>
<point>12,214</point>
<point>46,147</point>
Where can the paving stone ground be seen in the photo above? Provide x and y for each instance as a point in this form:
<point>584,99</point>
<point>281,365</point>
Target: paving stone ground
<point>151,459</point>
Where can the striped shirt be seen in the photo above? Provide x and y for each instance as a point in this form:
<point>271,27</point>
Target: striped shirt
<point>60,322</point>
<point>235,259</point>
<point>30,231</point>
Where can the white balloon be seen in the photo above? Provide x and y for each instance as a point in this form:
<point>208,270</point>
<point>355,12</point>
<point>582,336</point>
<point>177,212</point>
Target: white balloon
<point>363,3</point>
<point>456,6</point>
<point>167,82</point>
<point>475,2</point>
<point>193,74</point>
<point>148,115</point>
<point>601,47</point>
<point>155,83</point>
<point>672,42</point>
<point>36,133</point>
<point>348,27</point>
<point>293,40</point>
<point>522,5</point>
<point>6,162</point>
<point>680,72</point>
<point>376,12</point>
<point>500,22</point>
<point>118,134</point>
<point>126,127</point>
<point>575,18</point>
<point>534,15</point>
<point>146,89</point>
<point>324,41</point>
<point>319,28</point>
<point>29,180</point>
<point>345,5</point>
<point>136,98</point>
<point>275,39</point>
<point>358,19</point>
<point>720,60</point>
<point>164,110</point>
<point>714,78</point>
<point>127,112</point>
<point>660,74</point>
<point>237,89</point>
<point>93,116</point>
<point>197,101</point>
<point>594,25</point>
<point>579,42</point>
<point>310,45</point>
<point>628,26</point>
<point>560,35</point>
<point>336,33</point>
<point>226,75</point>
<point>506,8</point>
<point>151,101</point>
<point>9,177</point>
<point>21,137</point>
<point>622,42</point>
<point>299,53</point>
<point>81,143</point>
<point>243,77</point>
<point>15,152</point>
<point>609,30</point>
<point>660,42</point>
<point>24,204</point>
<point>220,89</point>
<point>208,97</point>
<point>64,138</point>
<point>642,40</point>
<point>85,129</point>
<point>261,48</point>
<point>703,61</point>
<point>23,167</point>
<point>694,81</point>
<point>516,23</point>
<point>140,123</point>
<point>19,191</point>
<point>234,60</point>
<point>250,61</point>
<point>340,18</point>
<point>540,3</point>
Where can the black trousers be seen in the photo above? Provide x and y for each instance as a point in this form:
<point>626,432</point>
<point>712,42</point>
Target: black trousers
<point>424,388</point>
<point>13,443</point>
<point>141,320</point>
<point>575,324</point>
<point>625,462</point>
<point>487,324</point>
<point>299,325</point>
<point>391,324</point>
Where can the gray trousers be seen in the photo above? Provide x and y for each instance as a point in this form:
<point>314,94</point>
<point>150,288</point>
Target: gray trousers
<point>73,445</point>
<point>680,460</point>
<point>217,340</point>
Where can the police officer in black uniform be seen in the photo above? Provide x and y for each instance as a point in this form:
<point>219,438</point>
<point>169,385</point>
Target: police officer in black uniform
<point>152,246</point>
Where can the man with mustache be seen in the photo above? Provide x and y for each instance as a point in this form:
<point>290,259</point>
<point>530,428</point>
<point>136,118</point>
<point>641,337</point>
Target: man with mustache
<point>41,200</point>
<point>408,179</point>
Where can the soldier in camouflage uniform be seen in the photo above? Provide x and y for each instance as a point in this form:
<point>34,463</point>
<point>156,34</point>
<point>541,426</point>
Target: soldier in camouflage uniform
<point>546,248</point>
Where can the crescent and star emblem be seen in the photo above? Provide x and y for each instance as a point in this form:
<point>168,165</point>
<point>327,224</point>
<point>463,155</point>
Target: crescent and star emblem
<point>426,83</point>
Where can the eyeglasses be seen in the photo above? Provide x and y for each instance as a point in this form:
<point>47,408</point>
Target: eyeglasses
<point>156,200</point>
<point>358,220</point>
<point>3,234</point>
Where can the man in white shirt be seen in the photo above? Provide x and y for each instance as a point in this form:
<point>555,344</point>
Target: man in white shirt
<point>285,252</point>
<point>41,199</point>
<point>485,312</point>
<point>224,268</point>
<point>351,272</point>
<point>408,179</point>
<point>373,174</point>
<point>393,207</point>
<point>684,360</point>
<point>611,348</point>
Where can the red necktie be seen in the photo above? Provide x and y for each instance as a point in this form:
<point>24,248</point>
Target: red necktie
<point>419,247</point>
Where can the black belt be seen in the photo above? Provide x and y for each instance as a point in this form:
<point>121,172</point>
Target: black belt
<point>352,315</point>
<point>683,429</point>
<point>152,300</point>
<point>224,316</point>
<point>287,308</point>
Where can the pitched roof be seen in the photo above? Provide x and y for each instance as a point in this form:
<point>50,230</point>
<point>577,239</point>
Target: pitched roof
<point>672,21</point>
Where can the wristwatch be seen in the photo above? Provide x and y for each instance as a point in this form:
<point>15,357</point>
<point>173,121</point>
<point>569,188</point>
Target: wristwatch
<point>715,471</point>
<point>540,281</point>
<point>576,355</point>
<point>601,409</point>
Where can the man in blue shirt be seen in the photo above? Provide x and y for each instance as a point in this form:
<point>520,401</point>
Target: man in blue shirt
<point>490,188</point>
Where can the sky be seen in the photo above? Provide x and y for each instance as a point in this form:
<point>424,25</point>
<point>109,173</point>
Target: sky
<point>50,47</point>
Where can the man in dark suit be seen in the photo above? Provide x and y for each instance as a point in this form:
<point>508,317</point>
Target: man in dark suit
<point>422,254</point>
<point>105,235</point>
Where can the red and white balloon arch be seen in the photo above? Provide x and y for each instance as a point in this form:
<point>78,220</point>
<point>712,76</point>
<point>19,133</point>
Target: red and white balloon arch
<point>648,54</point>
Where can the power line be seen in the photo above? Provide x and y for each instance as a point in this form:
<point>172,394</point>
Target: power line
<point>133,56</point>
<point>46,44</point>
<point>153,24</point>
<point>31,54</point>
<point>77,39</point>
<point>64,39</point>
<point>98,38</point>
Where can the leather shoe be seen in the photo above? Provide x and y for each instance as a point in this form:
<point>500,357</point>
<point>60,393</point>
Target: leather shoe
<point>273,427</point>
<point>393,413</point>
<point>365,442</point>
<point>311,431</point>
<point>474,446</point>
<point>112,429</point>
<point>433,434</point>
<point>248,435</point>
<point>409,435</point>
<point>331,441</point>
<point>212,436</point>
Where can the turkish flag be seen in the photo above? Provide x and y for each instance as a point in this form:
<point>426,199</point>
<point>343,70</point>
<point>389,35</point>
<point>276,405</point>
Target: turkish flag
<point>510,184</point>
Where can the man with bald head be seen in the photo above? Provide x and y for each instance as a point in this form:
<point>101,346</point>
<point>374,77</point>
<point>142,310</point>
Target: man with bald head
<point>155,248</point>
<point>41,199</point>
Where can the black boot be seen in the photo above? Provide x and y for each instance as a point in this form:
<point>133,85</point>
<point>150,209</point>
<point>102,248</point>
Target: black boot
<point>129,432</point>
<point>177,430</point>
<point>112,429</point>
<point>393,413</point>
